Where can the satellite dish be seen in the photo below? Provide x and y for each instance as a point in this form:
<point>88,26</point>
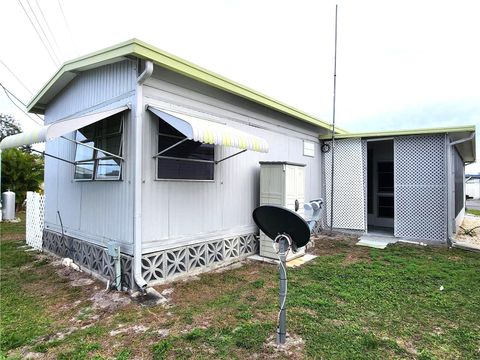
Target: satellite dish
<point>289,230</point>
<point>276,220</point>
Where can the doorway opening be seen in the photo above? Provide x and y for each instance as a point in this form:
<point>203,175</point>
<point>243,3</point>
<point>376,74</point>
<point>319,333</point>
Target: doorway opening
<point>380,187</point>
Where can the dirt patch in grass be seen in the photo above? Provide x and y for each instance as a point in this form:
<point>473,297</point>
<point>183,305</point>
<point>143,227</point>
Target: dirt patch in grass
<point>349,302</point>
<point>292,349</point>
<point>326,244</point>
<point>469,222</point>
<point>200,291</point>
<point>338,244</point>
<point>221,299</point>
<point>7,237</point>
<point>355,257</point>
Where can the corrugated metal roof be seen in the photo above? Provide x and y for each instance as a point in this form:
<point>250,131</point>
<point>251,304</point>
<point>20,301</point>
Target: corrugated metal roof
<point>444,130</point>
<point>466,148</point>
<point>143,50</point>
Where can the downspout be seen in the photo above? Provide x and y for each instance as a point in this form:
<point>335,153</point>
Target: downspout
<point>450,212</point>
<point>137,217</point>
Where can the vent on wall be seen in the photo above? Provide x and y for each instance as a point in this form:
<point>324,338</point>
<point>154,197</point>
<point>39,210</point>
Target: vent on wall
<point>308,148</point>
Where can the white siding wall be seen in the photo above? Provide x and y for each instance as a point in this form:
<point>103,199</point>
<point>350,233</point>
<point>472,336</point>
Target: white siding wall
<point>472,188</point>
<point>175,212</point>
<point>91,89</point>
<point>95,211</point>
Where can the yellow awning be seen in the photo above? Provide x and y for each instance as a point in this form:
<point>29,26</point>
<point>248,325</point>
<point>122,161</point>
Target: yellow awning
<point>209,132</point>
<point>55,130</point>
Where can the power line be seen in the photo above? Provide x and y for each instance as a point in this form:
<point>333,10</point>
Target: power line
<point>38,34</point>
<point>9,93</point>
<point>49,29</point>
<point>68,27</point>
<point>16,98</point>
<point>16,77</point>
<point>43,31</point>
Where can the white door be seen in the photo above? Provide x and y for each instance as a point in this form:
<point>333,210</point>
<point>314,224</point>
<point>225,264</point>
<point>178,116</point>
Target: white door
<point>420,187</point>
<point>350,186</point>
<point>295,188</point>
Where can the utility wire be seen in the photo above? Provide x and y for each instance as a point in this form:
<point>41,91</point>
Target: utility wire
<point>9,94</point>
<point>16,77</point>
<point>49,29</point>
<point>68,27</point>
<point>43,31</point>
<point>38,34</point>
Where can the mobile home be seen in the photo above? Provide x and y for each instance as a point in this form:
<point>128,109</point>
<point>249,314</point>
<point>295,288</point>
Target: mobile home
<point>160,157</point>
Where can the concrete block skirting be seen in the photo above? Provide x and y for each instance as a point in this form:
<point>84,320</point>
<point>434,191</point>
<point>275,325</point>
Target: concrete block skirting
<point>158,267</point>
<point>88,256</point>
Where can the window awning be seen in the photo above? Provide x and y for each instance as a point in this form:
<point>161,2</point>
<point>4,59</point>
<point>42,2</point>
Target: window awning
<point>209,132</point>
<point>55,130</point>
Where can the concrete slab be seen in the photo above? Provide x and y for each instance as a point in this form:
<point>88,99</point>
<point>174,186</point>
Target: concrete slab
<point>262,259</point>
<point>466,246</point>
<point>377,242</point>
<point>299,261</point>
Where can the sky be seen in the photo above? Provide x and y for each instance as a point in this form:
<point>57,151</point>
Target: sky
<point>400,64</point>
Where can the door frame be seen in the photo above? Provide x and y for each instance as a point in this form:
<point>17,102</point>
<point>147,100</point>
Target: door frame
<point>373,218</point>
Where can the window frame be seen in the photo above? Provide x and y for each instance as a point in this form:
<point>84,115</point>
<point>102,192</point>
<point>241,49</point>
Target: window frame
<point>156,159</point>
<point>75,171</point>
<point>96,159</point>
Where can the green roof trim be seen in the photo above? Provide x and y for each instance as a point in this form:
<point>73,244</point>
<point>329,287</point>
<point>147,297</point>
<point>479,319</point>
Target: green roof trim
<point>145,51</point>
<point>466,148</point>
<point>444,130</point>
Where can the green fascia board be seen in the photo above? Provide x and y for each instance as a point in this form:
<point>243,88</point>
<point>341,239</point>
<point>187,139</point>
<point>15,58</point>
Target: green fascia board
<point>445,130</point>
<point>77,64</point>
<point>143,50</point>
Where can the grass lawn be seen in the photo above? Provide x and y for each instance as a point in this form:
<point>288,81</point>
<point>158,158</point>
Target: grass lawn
<point>473,212</point>
<point>349,303</point>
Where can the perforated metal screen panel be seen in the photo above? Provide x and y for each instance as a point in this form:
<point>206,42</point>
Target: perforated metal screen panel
<point>420,187</point>
<point>350,178</point>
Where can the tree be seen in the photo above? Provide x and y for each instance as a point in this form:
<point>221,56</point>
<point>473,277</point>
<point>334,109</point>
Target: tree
<point>8,126</point>
<point>22,171</point>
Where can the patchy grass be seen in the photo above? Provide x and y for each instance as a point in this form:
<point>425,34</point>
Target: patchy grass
<point>350,302</point>
<point>473,212</point>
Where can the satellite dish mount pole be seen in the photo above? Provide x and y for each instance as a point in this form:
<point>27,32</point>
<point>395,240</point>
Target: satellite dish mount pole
<point>283,247</point>
<point>290,231</point>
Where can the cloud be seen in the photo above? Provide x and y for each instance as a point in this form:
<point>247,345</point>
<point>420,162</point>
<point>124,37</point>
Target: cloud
<point>439,114</point>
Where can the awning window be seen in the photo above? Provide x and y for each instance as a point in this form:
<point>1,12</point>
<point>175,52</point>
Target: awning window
<point>98,155</point>
<point>209,132</point>
<point>55,130</point>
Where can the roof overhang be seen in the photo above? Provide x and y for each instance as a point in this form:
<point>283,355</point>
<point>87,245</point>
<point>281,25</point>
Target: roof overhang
<point>456,134</point>
<point>142,50</point>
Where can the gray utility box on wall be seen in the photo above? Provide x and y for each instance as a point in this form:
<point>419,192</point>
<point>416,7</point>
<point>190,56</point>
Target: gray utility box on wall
<point>281,183</point>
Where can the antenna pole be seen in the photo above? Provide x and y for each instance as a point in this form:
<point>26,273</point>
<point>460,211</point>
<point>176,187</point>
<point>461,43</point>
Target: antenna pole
<point>283,245</point>
<point>333,120</point>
